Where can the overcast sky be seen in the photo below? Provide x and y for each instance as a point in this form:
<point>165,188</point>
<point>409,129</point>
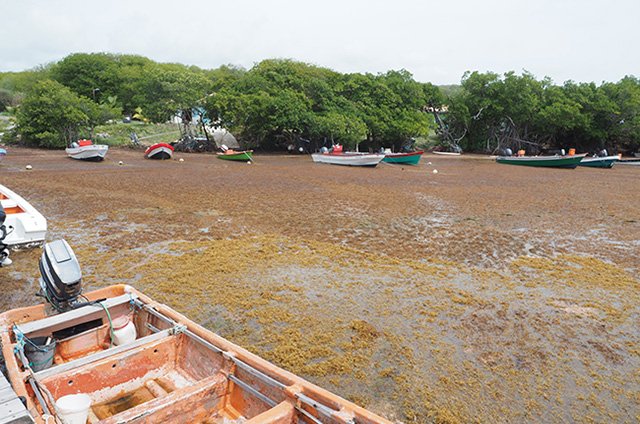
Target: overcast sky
<point>437,41</point>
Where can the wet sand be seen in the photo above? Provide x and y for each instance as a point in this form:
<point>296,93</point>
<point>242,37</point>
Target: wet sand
<point>485,292</point>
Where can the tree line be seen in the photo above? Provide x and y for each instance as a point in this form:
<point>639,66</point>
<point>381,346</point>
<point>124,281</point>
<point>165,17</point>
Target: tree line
<point>276,103</point>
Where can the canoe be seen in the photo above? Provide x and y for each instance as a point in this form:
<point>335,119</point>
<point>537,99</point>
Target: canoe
<point>568,162</point>
<point>160,151</point>
<point>86,150</point>
<point>411,158</point>
<point>26,227</point>
<point>167,369</point>
<point>241,156</point>
<point>349,158</point>
<point>599,162</point>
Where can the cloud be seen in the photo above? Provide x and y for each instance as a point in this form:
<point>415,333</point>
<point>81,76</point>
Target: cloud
<point>589,40</point>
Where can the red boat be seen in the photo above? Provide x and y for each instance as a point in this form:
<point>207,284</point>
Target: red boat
<point>159,151</point>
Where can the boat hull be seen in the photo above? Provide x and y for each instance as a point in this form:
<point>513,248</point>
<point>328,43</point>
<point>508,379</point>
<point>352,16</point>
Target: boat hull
<point>435,152</point>
<point>599,162</point>
<point>159,151</point>
<point>175,368</point>
<point>94,152</point>
<point>567,162</point>
<point>26,227</point>
<point>411,158</point>
<point>245,156</point>
<point>349,159</point>
<point>629,162</point>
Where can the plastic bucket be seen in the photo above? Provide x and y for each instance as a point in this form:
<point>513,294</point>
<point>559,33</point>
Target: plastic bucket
<point>74,408</point>
<point>40,356</point>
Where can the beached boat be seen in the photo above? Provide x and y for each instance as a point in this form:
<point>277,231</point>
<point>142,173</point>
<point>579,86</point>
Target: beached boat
<point>631,162</point>
<point>25,226</point>
<point>159,151</point>
<point>86,150</point>
<point>411,158</point>
<point>567,161</point>
<point>348,158</point>
<point>241,156</point>
<point>116,356</point>
<point>599,162</point>
<point>435,152</point>
<point>3,153</point>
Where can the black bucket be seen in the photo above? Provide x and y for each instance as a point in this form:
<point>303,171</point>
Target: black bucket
<point>40,356</point>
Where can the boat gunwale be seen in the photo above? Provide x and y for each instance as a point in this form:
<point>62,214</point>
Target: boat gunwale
<point>295,385</point>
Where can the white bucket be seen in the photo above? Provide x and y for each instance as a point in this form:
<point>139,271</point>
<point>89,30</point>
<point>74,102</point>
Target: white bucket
<point>74,408</point>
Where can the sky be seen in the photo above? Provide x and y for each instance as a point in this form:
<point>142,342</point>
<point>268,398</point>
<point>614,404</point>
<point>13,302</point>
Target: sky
<point>437,41</point>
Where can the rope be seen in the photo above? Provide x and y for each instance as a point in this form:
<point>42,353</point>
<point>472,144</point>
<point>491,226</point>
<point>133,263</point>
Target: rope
<point>110,323</point>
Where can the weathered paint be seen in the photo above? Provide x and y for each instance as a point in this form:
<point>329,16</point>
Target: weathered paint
<point>173,378</point>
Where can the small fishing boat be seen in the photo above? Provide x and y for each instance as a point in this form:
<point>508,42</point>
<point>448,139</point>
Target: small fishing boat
<point>566,161</point>
<point>436,152</point>
<point>25,226</point>
<point>159,151</point>
<point>599,162</point>
<point>86,150</point>
<point>241,156</point>
<point>629,162</point>
<point>411,158</point>
<point>338,157</point>
<point>114,355</point>
<point>3,153</point>
<point>349,158</point>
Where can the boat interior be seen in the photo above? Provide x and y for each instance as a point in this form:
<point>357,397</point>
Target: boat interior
<point>10,206</point>
<point>174,370</point>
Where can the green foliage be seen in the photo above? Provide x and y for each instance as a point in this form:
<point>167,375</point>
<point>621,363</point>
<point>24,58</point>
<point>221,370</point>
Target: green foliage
<point>518,110</point>
<point>52,116</point>
<point>160,90</point>
<point>278,101</point>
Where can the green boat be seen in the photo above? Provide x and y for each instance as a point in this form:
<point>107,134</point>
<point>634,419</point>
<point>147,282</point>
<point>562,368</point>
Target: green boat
<point>411,158</point>
<point>600,162</point>
<point>242,156</point>
<point>569,162</point>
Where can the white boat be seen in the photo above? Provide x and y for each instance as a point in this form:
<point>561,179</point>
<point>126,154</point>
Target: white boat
<point>26,227</point>
<point>633,162</point>
<point>446,153</point>
<point>86,150</point>
<point>348,158</point>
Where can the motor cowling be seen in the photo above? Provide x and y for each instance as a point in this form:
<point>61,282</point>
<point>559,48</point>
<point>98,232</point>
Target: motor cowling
<point>61,277</point>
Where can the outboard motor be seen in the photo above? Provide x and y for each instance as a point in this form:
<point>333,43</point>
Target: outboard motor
<point>4,250</point>
<point>61,278</point>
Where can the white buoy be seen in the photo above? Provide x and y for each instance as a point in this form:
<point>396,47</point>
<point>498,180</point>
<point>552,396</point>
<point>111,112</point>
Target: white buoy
<point>181,160</point>
<point>435,171</point>
<point>120,163</point>
<point>28,167</point>
<point>428,163</point>
<point>248,162</point>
